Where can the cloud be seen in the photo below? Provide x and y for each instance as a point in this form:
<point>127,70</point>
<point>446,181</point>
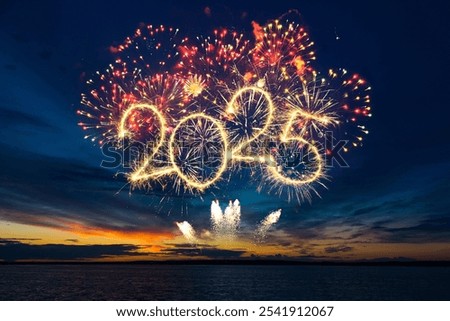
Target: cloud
<point>395,209</point>
<point>51,177</point>
<point>12,250</point>
<point>366,210</point>
<point>337,249</point>
<point>389,259</point>
<point>277,256</point>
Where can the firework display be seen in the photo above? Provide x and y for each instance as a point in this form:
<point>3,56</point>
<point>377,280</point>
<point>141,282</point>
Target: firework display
<point>200,110</point>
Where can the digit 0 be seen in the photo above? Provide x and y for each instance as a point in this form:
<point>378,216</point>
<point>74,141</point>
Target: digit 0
<point>234,108</point>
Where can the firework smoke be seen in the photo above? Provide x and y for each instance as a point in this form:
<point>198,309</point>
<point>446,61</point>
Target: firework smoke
<point>266,224</point>
<point>225,224</point>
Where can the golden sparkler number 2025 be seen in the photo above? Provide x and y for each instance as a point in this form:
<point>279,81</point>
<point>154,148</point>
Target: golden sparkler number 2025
<point>146,172</point>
